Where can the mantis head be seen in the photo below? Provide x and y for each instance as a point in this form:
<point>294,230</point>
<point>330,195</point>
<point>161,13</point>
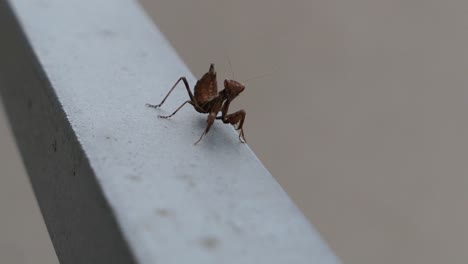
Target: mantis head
<point>232,89</point>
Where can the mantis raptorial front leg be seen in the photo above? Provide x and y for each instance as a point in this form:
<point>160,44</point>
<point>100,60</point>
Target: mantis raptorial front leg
<point>236,119</point>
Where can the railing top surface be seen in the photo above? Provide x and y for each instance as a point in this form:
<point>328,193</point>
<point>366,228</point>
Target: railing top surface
<point>175,202</point>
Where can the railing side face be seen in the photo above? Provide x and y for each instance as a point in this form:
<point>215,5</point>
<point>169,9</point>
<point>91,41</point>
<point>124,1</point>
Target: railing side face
<point>113,181</point>
<point>78,218</point>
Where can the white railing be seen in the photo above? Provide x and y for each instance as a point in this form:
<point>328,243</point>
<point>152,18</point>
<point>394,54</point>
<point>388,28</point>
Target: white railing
<point>114,183</point>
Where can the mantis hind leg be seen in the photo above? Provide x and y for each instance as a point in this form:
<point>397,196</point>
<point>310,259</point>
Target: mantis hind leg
<point>180,107</point>
<point>192,98</point>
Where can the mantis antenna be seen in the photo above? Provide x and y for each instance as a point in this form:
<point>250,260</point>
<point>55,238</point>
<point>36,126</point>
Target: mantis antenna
<point>260,76</point>
<point>230,65</point>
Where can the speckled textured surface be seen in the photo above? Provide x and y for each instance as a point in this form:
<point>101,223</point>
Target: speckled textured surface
<point>173,202</point>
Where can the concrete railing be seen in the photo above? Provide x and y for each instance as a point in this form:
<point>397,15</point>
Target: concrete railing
<point>115,184</point>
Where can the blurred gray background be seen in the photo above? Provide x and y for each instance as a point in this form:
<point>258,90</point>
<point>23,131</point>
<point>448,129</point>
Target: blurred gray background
<point>361,116</point>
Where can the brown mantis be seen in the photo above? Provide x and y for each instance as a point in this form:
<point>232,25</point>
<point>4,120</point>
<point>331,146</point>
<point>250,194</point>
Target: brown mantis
<point>207,100</point>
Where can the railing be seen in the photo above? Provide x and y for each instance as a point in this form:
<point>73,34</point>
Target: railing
<point>114,183</point>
